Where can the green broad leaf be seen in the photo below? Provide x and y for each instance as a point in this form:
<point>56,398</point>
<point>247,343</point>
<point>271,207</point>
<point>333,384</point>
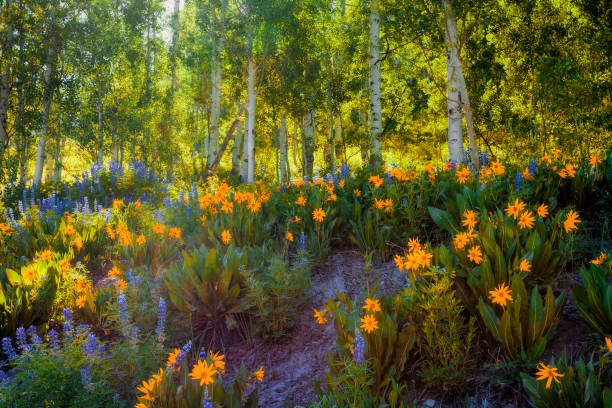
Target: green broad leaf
<point>536,350</point>
<point>13,277</point>
<point>489,318</point>
<point>535,314</point>
<point>443,219</point>
<point>506,334</point>
<point>531,386</point>
<point>501,271</point>
<point>488,242</point>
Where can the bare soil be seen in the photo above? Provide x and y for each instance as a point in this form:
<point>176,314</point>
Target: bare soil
<point>292,366</point>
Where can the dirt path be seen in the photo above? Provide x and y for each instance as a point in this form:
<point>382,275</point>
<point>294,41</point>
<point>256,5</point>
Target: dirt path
<point>293,366</point>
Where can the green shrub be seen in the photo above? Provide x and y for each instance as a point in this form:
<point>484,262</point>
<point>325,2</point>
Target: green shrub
<point>176,387</point>
<point>593,298</point>
<point>27,296</point>
<point>351,387</point>
<point>445,339</point>
<point>581,385</point>
<point>277,294</point>
<point>387,347</point>
<point>523,325</point>
<point>369,232</point>
<point>210,286</point>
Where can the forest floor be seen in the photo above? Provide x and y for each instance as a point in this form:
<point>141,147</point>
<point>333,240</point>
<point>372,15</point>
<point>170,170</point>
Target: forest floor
<point>293,364</point>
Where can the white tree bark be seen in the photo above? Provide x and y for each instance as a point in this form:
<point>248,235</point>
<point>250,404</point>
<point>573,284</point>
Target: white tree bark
<point>453,103</point>
<point>215,97</point>
<point>237,149</point>
<point>24,137</point>
<point>251,111</point>
<point>59,158</point>
<point>244,160</point>
<point>308,143</point>
<point>375,85</point>
<point>4,80</point>
<point>115,141</point>
<point>47,99</point>
<point>469,120</point>
<point>331,126</point>
<point>216,75</point>
<point>100,133</point>
<point>283,149</point>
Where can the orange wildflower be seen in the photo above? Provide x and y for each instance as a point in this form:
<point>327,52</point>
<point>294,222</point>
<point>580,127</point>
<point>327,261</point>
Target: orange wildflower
<point>570,221</point>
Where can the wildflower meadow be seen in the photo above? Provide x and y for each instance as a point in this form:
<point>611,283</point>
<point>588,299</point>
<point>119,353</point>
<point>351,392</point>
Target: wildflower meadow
<point>305,204</point>
<point>460,280</point>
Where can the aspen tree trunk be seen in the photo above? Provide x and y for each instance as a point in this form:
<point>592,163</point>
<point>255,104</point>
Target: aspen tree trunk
<point>308,143</point>
<point>275,132</point>
<point>24,140</point>
<point>469,119</point>
<point>120,164</point>
<point>251,110</point>
<point>47,99</point>
<point>363,149</point>
<point>59,158</point>
<point>296,155</point>
<point>237,149</point>
<point>23,159</point>
<point>215,98</point>
<point>303,155</point>
<point>341,134</point>
<point>146,91</point>
<point>453,103</point>
<point>331,127</point>
<point>216,75</point>
<point>287,165</point>
<point>283,149</point>
<point>115,148</point>
<point>100,133</point>
<point>169,124</point>
<point>375,92</point>
<point>244,160</point>
<point>4,85</point>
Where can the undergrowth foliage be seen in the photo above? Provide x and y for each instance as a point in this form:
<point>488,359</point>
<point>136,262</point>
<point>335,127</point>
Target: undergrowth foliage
<point>118,272</point>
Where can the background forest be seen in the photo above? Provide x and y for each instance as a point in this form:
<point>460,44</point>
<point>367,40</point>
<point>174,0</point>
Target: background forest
<point>179,86</point>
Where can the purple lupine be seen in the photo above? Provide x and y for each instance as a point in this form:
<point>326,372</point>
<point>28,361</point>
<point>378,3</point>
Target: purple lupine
<point>53,339</point>
<point>518,182</point>
<point>86,377</point>
<point>22,341</point>
<point>7,348</point>
<point>92,346</point>
<point>161,320</point>
<point>359,349</point>
<point>36,340</point>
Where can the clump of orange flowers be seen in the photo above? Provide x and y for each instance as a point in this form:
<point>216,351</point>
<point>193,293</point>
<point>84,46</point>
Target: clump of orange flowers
<point>463,175</point>
<point>600,259</point>
<point>226,237</point>
<point>318,215</point>
<point>570,221</point>
<point>548,373</point>
<point>415,259</point>
<point>386,204</point>
<point>377,181</point>
<point>320,316</point>
<point>501,295</point>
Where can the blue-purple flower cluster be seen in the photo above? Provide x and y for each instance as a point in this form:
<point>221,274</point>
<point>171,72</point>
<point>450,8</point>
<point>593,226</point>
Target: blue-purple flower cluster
<point>359,349</point>
<point>181,356</point>
<point>161,320</point>
<point>518,182</point>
